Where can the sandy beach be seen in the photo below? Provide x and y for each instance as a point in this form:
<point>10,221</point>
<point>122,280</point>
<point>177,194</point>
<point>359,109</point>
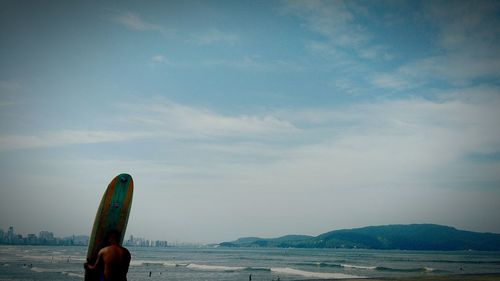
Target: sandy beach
<point>460,277</point>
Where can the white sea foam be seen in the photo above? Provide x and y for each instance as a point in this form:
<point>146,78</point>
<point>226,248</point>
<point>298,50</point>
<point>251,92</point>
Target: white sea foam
<point>214,267</point>
<point>35,257</point>
<point>155,262</point>
<point>321,275</point>
<point>358,266</point>
<point>73,274</point>
<point>40,269</point>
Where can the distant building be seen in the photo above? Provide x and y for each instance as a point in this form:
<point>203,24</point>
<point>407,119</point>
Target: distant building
<point>80,240</point>
<point>31,239</point>
<point>46,237</point>
<point>161,244</point>
<point>10,235</point>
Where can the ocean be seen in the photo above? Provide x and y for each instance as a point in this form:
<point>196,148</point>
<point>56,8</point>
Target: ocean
<point>219,264</point>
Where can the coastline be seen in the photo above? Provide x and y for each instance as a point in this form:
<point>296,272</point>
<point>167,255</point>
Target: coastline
<point>457,277</point>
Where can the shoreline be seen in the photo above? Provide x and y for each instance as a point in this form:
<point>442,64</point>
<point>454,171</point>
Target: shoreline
<point>454,277</point>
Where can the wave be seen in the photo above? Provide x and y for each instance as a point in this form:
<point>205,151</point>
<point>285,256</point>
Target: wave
<point>258,268</point>
<point>320,264</point>
<point>45,270</point>
<point>41,269</point>
<point>358,266</point>
<point>155,262</point>
<point>418,269</point>
<point>215,267</point>
<point>71,274</point>
<point>224,268</point>
<point>391,269</point>
<point>321,275</point>
<point>367,267</point>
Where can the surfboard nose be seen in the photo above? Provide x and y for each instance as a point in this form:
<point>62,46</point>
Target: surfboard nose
<point>124,177</point>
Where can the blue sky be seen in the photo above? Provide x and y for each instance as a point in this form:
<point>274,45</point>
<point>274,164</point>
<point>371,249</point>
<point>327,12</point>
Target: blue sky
<point>250,118</point>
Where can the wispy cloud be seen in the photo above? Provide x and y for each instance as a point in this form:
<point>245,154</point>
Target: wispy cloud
<point>388,143</point>
<point>185,121</point>
<point>158,59</point>
<point>331,19</point>
<point>339,24</point>
<point>390,81</point>
<point>65,137</point>
<point>468,40</point>
<point>159,119</point>
<point>134,21</point>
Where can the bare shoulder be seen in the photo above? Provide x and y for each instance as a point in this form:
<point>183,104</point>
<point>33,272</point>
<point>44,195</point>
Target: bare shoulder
<point>126,251</point>
<point>103,250</point>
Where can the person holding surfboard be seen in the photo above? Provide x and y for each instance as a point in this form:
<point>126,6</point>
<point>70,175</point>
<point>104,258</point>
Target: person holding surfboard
<point>106,259</point>
<point>112,261</point>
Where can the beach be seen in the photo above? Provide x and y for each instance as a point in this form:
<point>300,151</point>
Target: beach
<point>457,277</point>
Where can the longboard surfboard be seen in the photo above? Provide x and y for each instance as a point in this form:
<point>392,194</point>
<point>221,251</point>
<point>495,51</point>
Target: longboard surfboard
<point>112,215</point>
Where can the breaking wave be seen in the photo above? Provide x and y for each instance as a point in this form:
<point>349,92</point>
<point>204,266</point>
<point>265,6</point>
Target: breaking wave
<point>310,274</point>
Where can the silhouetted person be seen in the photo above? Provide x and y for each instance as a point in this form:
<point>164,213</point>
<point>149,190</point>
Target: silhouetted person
<point>112,261</point>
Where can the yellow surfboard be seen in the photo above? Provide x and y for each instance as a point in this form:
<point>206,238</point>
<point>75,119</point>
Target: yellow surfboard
<point>112,215</point>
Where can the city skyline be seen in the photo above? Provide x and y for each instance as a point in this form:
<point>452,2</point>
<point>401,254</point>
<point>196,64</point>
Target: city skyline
<point>10,237</point>
<point>250,118</point>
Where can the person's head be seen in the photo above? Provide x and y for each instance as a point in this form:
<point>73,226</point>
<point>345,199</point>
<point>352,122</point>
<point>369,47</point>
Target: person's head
<point>113,237</point>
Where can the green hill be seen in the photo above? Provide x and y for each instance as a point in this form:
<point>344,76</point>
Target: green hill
<point>387,237</point>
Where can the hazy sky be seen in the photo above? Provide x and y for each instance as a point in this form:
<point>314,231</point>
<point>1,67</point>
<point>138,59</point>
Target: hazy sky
<point>250,118</point>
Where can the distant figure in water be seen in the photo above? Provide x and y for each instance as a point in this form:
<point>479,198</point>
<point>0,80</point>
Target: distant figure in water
<point>250,277</point>
<point>112,261</point>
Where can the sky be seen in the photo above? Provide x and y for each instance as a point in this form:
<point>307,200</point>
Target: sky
<point>250,118</point>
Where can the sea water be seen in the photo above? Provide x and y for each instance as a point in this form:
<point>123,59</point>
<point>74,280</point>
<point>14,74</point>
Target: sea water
<point>219,264</point>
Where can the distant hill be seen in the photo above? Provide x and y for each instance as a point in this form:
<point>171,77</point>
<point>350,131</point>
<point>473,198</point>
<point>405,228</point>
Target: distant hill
<point>387,237</point>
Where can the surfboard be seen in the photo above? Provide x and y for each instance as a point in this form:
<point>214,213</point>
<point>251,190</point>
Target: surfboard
<point>112,215</point>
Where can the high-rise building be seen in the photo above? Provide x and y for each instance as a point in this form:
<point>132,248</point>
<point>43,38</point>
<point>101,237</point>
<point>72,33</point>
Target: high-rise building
<point>10,234</point>
<point>46,237</point>
<point>31,239</point>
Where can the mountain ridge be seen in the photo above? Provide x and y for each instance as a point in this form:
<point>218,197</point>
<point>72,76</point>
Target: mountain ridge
<point>383,237</point>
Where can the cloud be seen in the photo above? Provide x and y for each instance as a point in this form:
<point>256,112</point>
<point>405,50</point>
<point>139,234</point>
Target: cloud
<point>65,137</point>
<point>370,157</point>
<point>390,81</point>
<point>331,19</point>
<point>186,121</point>
<point>339,22</point>
<point>158,59</point>
<point>159,119</point>
<point>468,43</point>
<point>402,143</point>
<point>133,21</point>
